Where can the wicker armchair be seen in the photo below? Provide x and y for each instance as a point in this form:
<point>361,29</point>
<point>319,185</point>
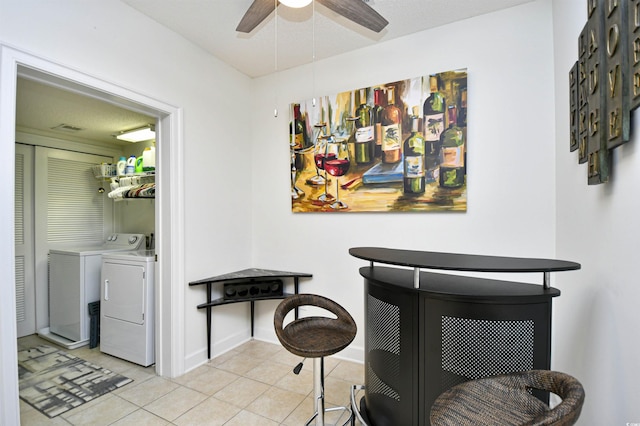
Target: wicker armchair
<point>507,400</point>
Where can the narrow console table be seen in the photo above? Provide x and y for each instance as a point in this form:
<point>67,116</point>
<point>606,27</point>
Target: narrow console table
<point>248,285</point>
<point>426,332</point>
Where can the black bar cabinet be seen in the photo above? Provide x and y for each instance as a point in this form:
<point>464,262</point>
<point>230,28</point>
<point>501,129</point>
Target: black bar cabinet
<point>426,332</point>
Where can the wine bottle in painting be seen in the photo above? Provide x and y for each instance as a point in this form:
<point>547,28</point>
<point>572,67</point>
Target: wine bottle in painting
<point>391,130</point>
<point>452,170</point>
<point>377,121</point>
<point>364,132</point>
<point>350,126</point>
<point>462,115</point>
<point>298,137</point>
<point>414,158</point>
<point>434,109</point>
<point>297,129</point>
<point>462,122</point>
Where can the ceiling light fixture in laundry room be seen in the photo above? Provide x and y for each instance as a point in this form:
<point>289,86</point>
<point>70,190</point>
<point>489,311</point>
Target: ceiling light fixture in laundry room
<point>137,135</point>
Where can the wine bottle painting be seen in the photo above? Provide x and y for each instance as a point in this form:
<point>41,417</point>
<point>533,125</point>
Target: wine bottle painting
<point>399,146</point>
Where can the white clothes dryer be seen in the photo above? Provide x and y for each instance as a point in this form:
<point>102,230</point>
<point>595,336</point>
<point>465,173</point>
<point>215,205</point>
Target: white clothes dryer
<point>127,321</point>
<point>74,282</point>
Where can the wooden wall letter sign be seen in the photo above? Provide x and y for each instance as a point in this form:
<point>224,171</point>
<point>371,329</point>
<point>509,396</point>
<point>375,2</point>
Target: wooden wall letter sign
<point>617,61</point>
<point>634,52</point>
<point>573,107</point>
<point>604,84</point>
<point>583,106</point>
<point>597,158</point>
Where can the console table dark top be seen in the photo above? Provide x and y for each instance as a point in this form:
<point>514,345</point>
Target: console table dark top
<point>249,274</point>
<point>460,262</point>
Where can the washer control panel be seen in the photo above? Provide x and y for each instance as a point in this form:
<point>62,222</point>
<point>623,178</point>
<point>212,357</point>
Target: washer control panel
<point>132,241</point>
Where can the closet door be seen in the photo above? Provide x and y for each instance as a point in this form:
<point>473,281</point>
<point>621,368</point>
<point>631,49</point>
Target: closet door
<point>69,210</point>
<point>25,284</point>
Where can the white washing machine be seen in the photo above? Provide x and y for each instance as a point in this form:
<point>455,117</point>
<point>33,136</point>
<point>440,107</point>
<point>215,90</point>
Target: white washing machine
<point>127,322</point>
<point>74,282</point>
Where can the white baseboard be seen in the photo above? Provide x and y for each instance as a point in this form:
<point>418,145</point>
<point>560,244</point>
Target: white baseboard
<point>199,357</point>
<point>195,359</point>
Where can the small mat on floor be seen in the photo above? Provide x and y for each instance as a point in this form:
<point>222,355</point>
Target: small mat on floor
<point>53,381</point>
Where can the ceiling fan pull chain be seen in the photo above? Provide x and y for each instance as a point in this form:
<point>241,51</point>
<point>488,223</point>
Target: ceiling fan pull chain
<point>275,50</point>
<point>313,53</point>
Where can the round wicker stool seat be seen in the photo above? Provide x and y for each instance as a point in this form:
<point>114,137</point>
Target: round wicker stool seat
<point>506,400</point>
<point>315,337</point>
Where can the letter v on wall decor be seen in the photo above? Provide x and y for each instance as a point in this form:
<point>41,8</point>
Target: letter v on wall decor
<point>398,147</point>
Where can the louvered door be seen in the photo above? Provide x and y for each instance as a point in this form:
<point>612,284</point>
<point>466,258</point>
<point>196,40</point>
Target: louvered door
<point>25,285</point>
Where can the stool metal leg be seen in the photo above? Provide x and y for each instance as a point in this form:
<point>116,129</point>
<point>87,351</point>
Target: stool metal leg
<point>318,392</point>
<point>318,395</point>
<point>318,389</point>
<point>355,412</point>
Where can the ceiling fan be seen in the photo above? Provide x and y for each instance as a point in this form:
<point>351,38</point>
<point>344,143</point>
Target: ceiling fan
<point>355,10</point>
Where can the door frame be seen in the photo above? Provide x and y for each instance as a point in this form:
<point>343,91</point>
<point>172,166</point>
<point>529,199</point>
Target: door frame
<point>169,211</point>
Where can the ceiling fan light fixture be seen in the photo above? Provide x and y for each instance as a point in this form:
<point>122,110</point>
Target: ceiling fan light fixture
<point>296,3</point>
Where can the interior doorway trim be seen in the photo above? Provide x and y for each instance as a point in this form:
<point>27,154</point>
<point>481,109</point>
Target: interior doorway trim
<point>169,212</point>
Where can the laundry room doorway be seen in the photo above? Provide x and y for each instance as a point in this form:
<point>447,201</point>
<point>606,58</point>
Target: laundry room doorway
<point>169,208</point>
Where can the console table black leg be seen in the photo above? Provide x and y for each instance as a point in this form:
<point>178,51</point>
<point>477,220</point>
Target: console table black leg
<point>208,320</point>
<point>252,311</point>
<point>295,291</point>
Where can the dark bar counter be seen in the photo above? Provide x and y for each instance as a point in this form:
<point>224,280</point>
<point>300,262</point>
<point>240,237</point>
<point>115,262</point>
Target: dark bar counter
<point>426,331</point>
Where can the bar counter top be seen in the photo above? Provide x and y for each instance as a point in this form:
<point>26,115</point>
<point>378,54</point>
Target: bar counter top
<point>460,262</point>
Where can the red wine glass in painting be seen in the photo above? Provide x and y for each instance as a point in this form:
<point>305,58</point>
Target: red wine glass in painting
<point>337,165</point>
<point>318,154</point>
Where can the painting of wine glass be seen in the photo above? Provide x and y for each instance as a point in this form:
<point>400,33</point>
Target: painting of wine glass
<point>405,144</point>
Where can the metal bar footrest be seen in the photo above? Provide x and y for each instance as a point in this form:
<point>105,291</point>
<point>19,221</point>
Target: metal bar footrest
<point>355,413</point>
<point>327,410</point>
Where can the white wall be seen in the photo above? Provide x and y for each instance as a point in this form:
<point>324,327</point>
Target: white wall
<point>597,317</point>
<point>511,173</point>
<point>111,41</point>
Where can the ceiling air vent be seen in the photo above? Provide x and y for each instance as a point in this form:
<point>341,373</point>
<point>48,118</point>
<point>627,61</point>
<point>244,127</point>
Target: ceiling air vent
<point>67,128</point>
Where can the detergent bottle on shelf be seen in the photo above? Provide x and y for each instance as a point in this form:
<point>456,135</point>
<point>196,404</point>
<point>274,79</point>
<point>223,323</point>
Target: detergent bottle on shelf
<point>149,159</point>
<point>121,166</point>
<point>131,165</point>
<point>138,165</point>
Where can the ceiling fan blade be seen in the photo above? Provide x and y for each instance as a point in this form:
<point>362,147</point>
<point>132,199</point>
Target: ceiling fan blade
<point>256,13</point>
<point>357,11</point>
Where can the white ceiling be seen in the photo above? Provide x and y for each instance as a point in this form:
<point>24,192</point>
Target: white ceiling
<point>55,112</point>
<point>211,25</point>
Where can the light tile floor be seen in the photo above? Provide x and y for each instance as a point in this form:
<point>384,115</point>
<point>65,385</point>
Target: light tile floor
<point>252,384</point>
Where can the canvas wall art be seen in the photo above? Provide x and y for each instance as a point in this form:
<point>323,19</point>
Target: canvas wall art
<point>394,147</point>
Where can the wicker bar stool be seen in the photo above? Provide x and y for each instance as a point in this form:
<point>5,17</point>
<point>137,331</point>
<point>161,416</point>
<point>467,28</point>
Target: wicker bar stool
<point>506,400</point>
<point>315,337</point>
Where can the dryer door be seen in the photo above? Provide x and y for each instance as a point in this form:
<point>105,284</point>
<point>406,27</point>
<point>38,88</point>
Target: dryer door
<point>123,288</point>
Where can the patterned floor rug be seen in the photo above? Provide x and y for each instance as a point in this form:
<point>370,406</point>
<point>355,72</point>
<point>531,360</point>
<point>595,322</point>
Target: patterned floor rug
<point>54,381</point>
